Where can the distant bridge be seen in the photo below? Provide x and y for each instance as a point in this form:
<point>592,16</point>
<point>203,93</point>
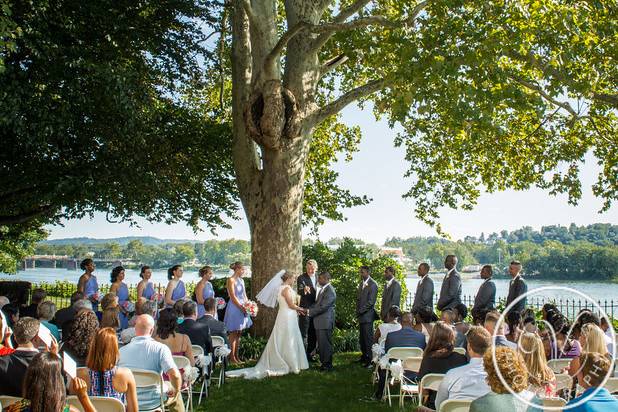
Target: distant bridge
<point>68,262</point>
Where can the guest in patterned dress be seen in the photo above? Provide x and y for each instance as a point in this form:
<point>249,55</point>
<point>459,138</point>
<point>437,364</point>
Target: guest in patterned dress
<point>145,288</point>
<point>44,390</point>
<point>103,377</point>
<point>236,317</point>
<point>122,291</point>
<point>175,288</point>
<point>87,283</point>
<point>203,289</point>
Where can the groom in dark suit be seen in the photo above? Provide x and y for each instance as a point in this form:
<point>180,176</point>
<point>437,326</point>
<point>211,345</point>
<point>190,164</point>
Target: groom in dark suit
<point>366,313</point>
<point>323,314</point>
<point>306,286</point>
<point>392,293</point>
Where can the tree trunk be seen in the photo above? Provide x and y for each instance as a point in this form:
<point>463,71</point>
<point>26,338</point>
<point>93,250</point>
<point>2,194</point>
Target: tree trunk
<point>275,223</point>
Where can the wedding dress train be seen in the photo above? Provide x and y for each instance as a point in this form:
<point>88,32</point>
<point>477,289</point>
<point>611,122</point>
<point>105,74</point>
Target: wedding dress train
<point>284,353</point>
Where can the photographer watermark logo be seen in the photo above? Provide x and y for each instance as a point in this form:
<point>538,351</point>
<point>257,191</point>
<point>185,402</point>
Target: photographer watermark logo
<point>557,337</point>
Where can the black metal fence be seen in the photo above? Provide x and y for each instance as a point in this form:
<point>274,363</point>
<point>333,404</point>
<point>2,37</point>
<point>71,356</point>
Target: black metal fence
<point>569,307</point>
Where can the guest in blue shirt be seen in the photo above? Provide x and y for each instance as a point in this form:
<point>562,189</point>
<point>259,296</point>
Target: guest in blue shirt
<point>594,368</point>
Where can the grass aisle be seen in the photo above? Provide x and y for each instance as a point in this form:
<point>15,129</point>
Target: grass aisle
<point>308,391</point>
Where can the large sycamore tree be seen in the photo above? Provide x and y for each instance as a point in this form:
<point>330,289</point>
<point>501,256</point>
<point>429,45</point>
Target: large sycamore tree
<point>488,95</point>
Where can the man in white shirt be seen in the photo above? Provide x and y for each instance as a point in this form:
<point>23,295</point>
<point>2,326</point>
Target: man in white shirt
<point>468,381</point>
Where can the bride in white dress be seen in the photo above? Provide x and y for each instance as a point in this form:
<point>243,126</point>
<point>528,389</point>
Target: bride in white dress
<point>284,353</point>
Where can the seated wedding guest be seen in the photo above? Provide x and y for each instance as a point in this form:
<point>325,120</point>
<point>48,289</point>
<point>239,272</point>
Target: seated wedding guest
<point>167,334</point>
<point>45,314</point>
<point>198,333</point>
<point>146,307</point>
<point>217,327</point>
<point>461,312</point>
<point>5,337</point>
<point>111,311</point>
<point>38,296</point>
<point>541,378</point>
<point>564,345</point>
<point>67,327</point>
<point>449,316</point>
<point>391,325</point>
<point>492,324</point>
<point>591,339</point>
<point>529,321</point>
<point>439,356</point>
<point>513,322</point>
<point>607,328</point>
<point>177,308</point>
<point>406,337</point>
<point>594,368</point>
<point>83,329</point>
<point>67,314</point>
<point>423,321</point>
<point>44,389</point>
<point>11,312</point>
<point>467,381</point>
<point>4,301</point>
<point>145,353</point>
<point>586,316</point>
<point>13,367</point>
<point>101,374</point>
<point>511,375</point>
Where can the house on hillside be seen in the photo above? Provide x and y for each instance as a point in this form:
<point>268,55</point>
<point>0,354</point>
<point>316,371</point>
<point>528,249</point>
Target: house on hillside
<point>396,253</point>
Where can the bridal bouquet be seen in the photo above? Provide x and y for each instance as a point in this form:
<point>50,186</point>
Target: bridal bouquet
<point>251,307</point>
<point>220,303</point>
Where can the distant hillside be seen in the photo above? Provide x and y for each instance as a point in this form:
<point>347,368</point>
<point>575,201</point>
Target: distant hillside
<point>146,240</point>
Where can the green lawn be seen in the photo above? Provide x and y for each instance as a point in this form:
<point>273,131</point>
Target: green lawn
<point>311,390</point>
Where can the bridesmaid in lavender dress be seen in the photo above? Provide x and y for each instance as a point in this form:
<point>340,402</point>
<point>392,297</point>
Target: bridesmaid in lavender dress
<point>204,290</point>
<point>122,292</point>
<point>145,288</point>
<point>175,288</point>
<point>87,283</point>
<point>236,317</point>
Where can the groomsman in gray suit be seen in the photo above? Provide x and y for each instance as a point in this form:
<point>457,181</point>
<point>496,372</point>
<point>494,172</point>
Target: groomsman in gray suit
<point>485,299</point>
<point>323,314</point>
<point>366,313</point>
<point>517,287</point>
<point>450,292</point>
<point>392,292</point>
<point>424,289</point>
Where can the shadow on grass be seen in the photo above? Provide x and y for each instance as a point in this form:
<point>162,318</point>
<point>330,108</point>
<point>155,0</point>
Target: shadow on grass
<point>311,390</point>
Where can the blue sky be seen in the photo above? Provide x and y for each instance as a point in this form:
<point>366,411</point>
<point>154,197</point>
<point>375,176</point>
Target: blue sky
<point>377,170</point>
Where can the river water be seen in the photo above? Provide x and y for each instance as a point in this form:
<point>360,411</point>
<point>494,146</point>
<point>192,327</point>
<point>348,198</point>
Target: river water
<point>596,290</point>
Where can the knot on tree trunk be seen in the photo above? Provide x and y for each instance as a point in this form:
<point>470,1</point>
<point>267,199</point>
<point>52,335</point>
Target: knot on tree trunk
<point>272,115</point>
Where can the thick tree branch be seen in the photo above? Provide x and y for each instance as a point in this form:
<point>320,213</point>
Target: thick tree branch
<point>546,96</point>
<point>25,216</point>
<point>272,57</point>
<point>611,99</point>
<point>353,95</point>
<point>332,64</point>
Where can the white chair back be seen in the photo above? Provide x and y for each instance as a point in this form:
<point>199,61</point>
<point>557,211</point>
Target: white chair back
<point>431,382</point>
<point>455,405</point>
<point>611,385</point>
<point>182,362</point>
<point>460,350</point>
<point>8,400</point>
<point>100,403</point>
<point>217,341</point>
<point>147,379</point>
<point>558,365</point>
<point>197,350</point>
<point>412,363</point>
<point>554,402</point>
<point>404,353</point>
<point>563,381</point>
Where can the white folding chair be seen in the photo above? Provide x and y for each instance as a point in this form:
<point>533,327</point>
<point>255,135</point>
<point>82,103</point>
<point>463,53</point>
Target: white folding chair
<point>554,402</point>
<point>564,383</point>
<point>216,342</point>
<point>406,386</point>
<point>455,405</point>
<point>404,353</point>
<point>182,362</point>
<point>429,382</point>
<point>558,365</point>
<point>148,379</point>
<point>100,403</point>
<point>6,400</point>
<point>460,350</point>
<point>199,351</point>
